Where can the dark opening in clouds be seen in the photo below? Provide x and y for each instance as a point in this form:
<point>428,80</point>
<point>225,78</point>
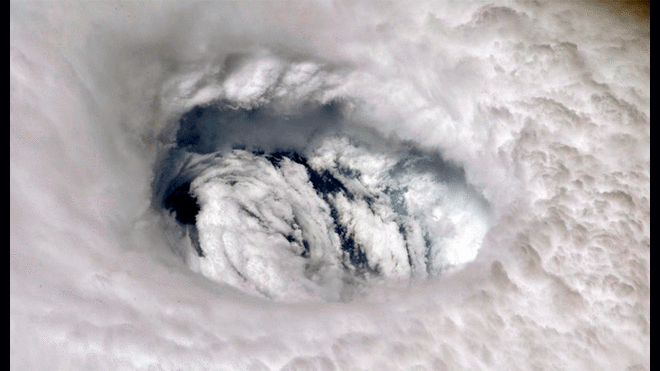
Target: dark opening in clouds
<point>221,126</point>
<point>249,159</point>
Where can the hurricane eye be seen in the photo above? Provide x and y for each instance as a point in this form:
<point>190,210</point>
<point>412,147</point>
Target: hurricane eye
<point>290,205</point>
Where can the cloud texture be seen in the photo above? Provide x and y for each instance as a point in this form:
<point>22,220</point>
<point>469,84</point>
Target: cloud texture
<point>491,162</point>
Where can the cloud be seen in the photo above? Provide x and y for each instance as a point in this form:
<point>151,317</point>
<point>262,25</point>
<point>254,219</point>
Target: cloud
<point>520,130</point>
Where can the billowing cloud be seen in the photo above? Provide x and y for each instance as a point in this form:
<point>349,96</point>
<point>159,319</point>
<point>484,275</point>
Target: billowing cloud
<point>329,186</point>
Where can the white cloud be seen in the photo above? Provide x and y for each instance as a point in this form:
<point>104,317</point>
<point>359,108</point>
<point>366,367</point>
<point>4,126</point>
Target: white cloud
<point>545,106</point>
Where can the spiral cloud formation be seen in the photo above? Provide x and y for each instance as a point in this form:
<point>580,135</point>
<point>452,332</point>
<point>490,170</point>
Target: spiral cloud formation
<point>329,186</point>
